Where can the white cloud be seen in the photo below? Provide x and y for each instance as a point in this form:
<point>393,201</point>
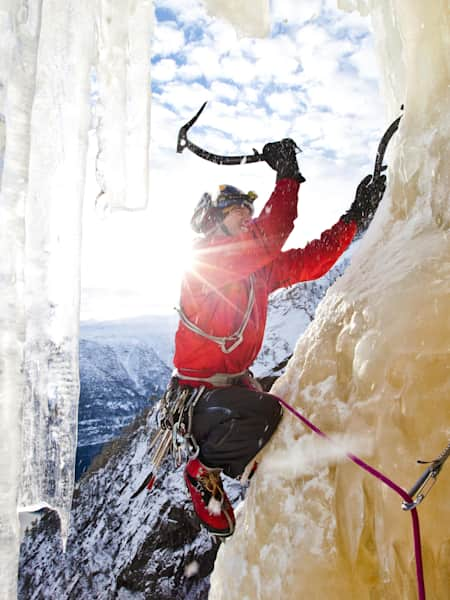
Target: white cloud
<point>188,11</point>
<point>364,60</point>
<point>222,36</point>
<point>168,39</point>
<point>181,96</point>
<point>224,90</point>
<point>206,59</point>
<point>284,103</point>
<point>164,70</point>
<point>238,69</point>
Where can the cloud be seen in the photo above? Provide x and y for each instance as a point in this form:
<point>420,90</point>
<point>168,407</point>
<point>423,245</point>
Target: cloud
<point>283,103</point>
<point>181,96</point>
<point>164,70</point>
<point>168,39</point>
<point>364,59</point>
<point>220,89</point>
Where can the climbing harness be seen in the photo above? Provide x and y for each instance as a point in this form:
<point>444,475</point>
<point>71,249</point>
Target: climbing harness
<point>174,435</point>
<point>216,380</point>
<point>175,413</point>
<point>435,467</point>
<point>230,342</point>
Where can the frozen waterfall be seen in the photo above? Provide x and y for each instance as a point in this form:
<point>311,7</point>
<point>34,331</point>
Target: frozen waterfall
<point>372,367</point>
<point>59,62</point>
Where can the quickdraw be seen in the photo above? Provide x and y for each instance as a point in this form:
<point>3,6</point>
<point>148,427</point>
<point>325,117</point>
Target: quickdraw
<point>423,485</point>
<point>174,435</point>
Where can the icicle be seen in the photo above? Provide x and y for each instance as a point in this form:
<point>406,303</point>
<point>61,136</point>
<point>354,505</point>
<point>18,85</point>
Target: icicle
<point>58,142</point>
<point>19,38</point>
<point>123,109</point>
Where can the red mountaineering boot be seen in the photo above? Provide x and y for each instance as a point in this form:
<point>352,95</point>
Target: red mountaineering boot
<point>211,504</point>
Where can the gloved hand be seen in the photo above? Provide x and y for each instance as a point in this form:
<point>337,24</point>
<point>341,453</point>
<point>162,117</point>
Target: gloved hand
<point>367,198</point>
<point>282,158</point>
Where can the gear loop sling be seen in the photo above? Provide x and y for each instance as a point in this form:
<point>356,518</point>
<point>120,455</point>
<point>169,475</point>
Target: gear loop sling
<point>235,339</point>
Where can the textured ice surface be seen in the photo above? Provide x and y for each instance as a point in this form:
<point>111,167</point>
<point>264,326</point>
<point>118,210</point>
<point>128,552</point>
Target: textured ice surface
<point>373,366</point>
<point>123,108</point>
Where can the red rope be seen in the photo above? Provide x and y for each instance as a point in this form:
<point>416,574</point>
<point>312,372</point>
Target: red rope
<point>386,481</point>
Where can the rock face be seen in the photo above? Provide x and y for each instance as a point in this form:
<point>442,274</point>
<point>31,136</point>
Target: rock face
<point>372,372</point>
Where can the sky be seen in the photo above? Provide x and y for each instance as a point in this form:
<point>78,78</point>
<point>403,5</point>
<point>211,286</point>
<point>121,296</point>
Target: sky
<point>313,78</point>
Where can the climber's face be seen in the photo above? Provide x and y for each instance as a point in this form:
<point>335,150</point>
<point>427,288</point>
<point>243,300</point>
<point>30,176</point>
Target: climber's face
<point>237,219</point>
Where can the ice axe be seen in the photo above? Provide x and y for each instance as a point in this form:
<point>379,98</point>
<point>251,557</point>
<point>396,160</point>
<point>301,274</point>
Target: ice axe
<point>184,142</point>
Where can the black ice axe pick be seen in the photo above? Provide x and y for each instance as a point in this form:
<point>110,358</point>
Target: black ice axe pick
<point>184,142</point>
<point>378,167</point>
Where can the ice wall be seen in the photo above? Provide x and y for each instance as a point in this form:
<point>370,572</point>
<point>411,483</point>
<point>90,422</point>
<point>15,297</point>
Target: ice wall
<point>51,53</point>
<point>373,366</point>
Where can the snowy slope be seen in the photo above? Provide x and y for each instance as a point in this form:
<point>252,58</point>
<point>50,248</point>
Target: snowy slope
<point>150,547</point>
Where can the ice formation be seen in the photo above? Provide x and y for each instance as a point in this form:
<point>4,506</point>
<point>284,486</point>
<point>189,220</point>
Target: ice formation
<point>52,55</point>
<point>249,18</point>
<point>373,365</point>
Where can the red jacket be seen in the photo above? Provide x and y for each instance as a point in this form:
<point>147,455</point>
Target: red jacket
<point>215,292</point>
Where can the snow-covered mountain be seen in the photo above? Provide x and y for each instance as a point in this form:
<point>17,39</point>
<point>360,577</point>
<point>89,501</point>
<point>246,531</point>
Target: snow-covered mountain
<point>119,379</point>
<point>124,367</point>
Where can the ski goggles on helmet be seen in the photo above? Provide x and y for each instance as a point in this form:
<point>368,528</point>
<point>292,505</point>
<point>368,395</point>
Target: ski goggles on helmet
<point>230,196</point>
<point>208,212</point>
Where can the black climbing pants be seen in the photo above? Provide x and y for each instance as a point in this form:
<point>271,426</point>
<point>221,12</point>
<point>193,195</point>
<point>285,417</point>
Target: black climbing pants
<point>232,424</point>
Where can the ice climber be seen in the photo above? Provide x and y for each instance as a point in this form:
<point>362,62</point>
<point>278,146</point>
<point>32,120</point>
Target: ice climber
<point>238,262</point>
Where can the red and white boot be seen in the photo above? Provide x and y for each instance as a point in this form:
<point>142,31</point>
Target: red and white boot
<point>211,504</point>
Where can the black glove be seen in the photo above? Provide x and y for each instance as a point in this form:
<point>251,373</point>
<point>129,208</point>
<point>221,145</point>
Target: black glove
<point>282,158</point>
<point>367,198</point>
